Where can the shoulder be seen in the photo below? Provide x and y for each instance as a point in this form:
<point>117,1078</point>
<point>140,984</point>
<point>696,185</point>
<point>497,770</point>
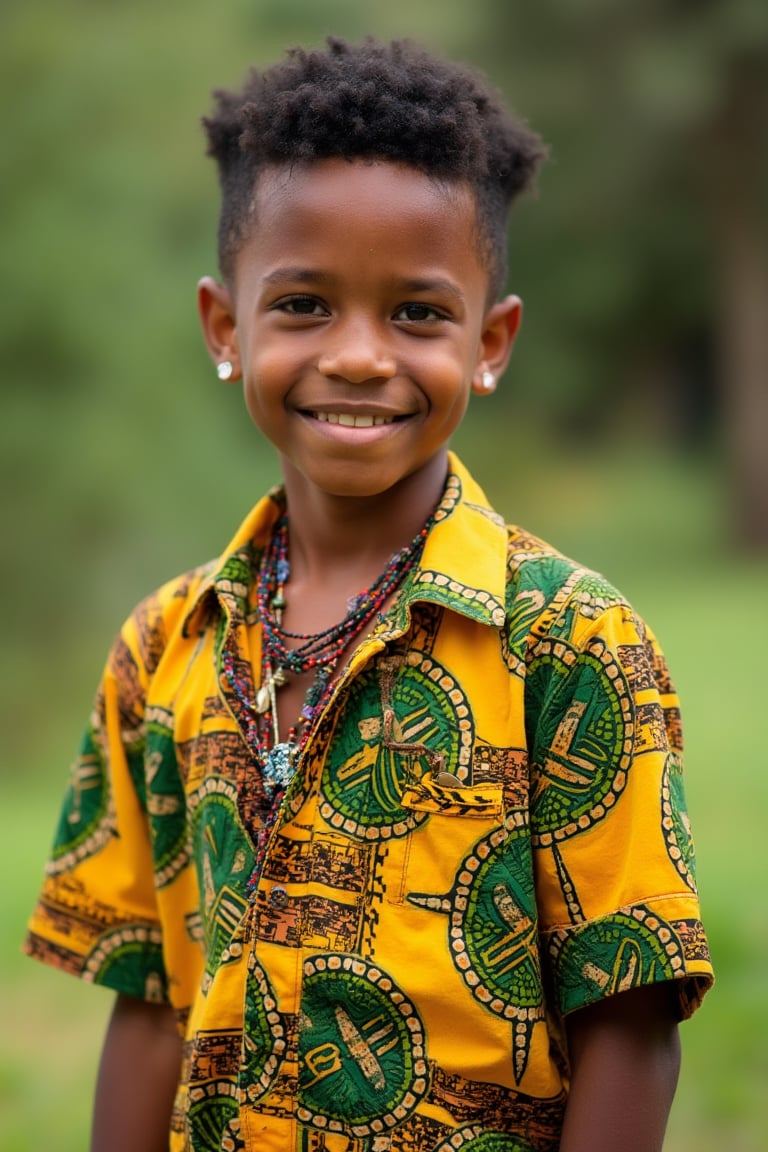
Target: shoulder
<point>179,611</point>
<point>545,579</point>
<point>144,636</point>
<point>559,610</point>
<point>563,619</point>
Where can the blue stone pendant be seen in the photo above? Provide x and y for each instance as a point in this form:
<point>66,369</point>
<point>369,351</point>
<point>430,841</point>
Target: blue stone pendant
<point>279,766</point>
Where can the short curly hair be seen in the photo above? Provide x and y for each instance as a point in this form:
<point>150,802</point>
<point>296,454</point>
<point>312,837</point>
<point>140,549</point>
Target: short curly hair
<point>392,101</point>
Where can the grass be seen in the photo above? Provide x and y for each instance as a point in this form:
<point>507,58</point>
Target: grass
<point>709,612</point>
<point>52,1024</point>
<point>721,1098</point>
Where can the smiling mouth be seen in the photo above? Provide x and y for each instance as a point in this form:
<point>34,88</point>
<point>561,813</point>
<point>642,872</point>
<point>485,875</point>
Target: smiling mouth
<point>350,421</point>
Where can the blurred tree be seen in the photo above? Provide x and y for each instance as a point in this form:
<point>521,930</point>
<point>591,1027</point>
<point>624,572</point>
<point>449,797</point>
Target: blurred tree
<point>657,249</point>
<point>737,142</point>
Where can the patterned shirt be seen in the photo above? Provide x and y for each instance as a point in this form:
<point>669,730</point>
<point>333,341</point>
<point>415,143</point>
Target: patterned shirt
<point>486,830</point>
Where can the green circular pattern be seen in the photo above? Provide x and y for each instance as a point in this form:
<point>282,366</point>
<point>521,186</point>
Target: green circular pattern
<point>493,929</point>
<point>364,772</point>
<point>594,595</point>
<point>165,802</point>
<point>473,1138</point>
<point>622,951</point>
<point>536,589</point>
<point>224,859</point>
<point>129,958</point>
<point>524,609</point>
<point>263,1034</point>
<point>674,820</point>
<point>212,1108</point>
<point>583,742</point>
<point>362,1064</point>
<point>87,820</point>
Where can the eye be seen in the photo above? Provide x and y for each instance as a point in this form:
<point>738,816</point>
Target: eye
<point>417,313</point>
<point>302,306</point>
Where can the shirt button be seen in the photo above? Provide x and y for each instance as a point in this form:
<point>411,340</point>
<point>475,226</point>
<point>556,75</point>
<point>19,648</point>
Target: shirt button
<point>278,897</point>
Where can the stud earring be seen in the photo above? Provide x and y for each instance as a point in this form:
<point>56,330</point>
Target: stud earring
<point>487,381</point>
<point>225,370</point>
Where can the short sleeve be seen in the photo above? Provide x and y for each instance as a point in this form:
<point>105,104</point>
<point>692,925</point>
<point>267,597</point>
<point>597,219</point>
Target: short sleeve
<point>97,915</point>
<point>613,852</point>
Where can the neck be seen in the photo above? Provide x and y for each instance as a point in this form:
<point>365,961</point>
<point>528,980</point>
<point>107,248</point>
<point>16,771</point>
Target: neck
<point>345,539</point>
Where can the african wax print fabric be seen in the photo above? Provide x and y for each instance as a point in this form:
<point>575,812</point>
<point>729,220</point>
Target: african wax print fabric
<point>487,830</point>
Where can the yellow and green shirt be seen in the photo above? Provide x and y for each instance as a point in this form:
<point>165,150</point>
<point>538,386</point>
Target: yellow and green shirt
<point>486,830</point>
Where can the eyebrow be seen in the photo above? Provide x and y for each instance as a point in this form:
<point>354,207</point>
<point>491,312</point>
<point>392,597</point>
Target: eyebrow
<point>407,284</point>
<point>433,284</point>
<point>280,275</point>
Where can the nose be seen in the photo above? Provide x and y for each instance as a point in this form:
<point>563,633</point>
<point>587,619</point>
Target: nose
<point>356,351</point>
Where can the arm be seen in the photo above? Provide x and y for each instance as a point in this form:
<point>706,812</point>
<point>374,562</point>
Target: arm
<point>625,1059</point>
<point>137,1081</point>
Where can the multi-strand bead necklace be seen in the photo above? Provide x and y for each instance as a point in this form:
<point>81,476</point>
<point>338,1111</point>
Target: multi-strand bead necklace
<point>287,653</point>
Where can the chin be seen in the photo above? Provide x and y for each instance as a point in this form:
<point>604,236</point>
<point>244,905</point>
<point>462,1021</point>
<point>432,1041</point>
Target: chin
<point>355,490</point>
<point>355,482</point>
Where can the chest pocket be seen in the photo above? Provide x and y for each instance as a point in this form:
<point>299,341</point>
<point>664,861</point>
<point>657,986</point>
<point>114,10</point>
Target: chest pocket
<point>434,793</point>
<point>447,820</point>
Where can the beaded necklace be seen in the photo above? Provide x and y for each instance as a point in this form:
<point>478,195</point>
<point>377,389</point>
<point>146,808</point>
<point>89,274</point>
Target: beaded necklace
<point>312,652</point>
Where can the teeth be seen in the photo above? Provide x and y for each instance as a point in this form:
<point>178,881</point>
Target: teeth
<point>349,421</point>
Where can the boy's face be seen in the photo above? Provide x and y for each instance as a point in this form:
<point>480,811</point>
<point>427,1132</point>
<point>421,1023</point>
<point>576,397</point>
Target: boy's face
<point>359,320</point>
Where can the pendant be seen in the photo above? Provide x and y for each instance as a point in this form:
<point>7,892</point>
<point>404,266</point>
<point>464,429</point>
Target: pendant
<point>279,766</point>
<point>265,694</point>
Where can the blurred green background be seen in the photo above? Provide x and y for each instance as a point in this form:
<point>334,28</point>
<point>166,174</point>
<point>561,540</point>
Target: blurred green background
<point>630,429</point>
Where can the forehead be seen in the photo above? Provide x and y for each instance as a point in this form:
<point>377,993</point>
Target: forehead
<point>382,211</point>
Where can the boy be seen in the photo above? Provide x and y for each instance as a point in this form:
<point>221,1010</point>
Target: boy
<point>382,811</point>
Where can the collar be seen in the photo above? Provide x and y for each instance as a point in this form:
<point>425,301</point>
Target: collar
<point>463,566</point>
<point>464,563</point>
<point>230,579</point>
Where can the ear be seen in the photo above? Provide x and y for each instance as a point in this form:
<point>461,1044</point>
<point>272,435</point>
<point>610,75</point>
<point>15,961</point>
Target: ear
<point>501,325</point>
<point>217,318</point>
